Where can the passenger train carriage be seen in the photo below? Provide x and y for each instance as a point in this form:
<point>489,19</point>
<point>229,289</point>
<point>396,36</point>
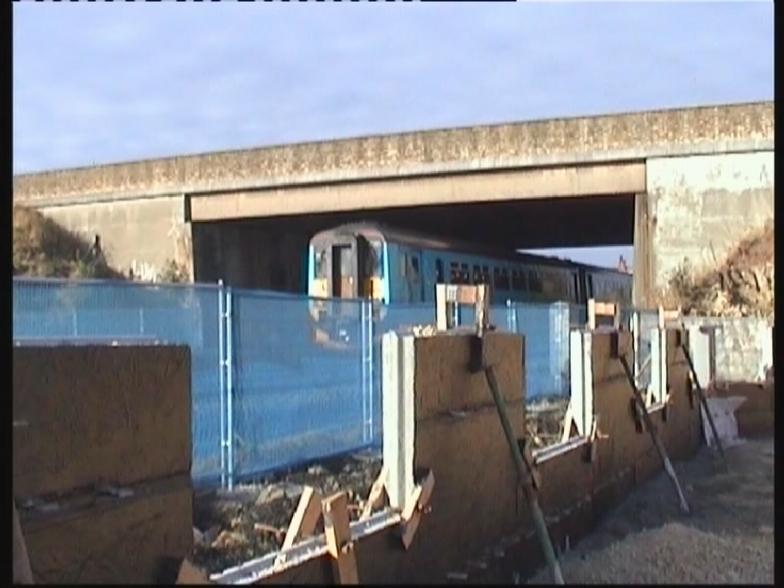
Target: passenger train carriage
<point>391,266</point>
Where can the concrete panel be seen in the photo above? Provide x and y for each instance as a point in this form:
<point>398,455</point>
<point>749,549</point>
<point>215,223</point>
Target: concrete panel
<point>743,347</point>
<point>444,383</point>
<point>700,207</point>
<point>618,137</point>
<point>133,541</point>
<point>609,178</point>
<point>90,414</point>
<point>139,236</point>
<point>756,416</point>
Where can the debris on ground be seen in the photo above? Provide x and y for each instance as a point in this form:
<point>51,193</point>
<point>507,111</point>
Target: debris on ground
<point>544,421</point>
<point>232,527</point>
<point>741,285</point>
<point>728,538</point>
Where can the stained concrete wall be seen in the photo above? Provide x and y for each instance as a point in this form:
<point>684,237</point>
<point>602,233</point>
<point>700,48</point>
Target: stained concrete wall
<point>565,141</point>
<point>91,416</point>
<point>141,235</point>
<point>742,348</point>
<point>699,207</point>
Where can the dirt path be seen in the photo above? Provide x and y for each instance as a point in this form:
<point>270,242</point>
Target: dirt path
<point>728,538</point>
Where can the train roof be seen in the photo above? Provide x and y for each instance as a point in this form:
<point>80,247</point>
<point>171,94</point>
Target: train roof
<point>430,241</point>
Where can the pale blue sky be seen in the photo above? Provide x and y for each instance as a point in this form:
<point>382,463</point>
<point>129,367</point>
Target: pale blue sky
<point>99,83</point>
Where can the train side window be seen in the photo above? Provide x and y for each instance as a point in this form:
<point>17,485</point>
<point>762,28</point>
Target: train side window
<point>500,279</point>
<point>485,274</point>
<point>476,275</point>
<point>439,271</point>
<point>534,281</point>
<point>517,282</point>
<point>465,276</point>
<point>454,273</point>
<point>414,265</point>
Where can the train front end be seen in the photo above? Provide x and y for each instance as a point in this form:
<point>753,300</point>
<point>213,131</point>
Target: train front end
<point>345,265</point>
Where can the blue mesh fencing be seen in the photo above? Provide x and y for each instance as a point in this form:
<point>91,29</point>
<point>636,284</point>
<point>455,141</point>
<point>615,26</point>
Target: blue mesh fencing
<point>277,379</point>
<point>545,326</point>
<point>296,398</point>
<point>99,311</point>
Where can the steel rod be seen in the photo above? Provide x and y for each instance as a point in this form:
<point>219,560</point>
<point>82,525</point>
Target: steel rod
<point>525,479</point>
<point>704,403</point>
<point>655,436</point>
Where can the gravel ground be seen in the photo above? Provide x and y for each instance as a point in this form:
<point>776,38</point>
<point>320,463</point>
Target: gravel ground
<point>728,538</point>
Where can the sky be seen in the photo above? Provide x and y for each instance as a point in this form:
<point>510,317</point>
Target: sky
<point>100,83</point>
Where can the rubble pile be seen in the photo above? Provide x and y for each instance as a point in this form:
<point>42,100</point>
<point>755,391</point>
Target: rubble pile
<point>232,527</point>
<point>742,285</point>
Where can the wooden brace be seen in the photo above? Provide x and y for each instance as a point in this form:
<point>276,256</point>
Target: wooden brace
<point>417,505</point>
<point>377,494</point>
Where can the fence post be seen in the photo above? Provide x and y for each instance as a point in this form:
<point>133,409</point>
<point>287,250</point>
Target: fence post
<point>229,390</point>
<point>371,376</point>
<point>222,382</point>
<point>363,368</point>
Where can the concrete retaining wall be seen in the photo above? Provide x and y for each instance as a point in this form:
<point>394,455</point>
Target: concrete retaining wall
<point>742,348</point>
<point>89,419</point>
<point>139,236</point>
<point>478,512</point>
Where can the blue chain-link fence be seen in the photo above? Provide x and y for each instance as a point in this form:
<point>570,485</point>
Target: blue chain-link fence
<point>271,386</point>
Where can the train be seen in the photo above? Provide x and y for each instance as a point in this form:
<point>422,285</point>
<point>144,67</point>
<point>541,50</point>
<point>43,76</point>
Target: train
<point>394,266</point>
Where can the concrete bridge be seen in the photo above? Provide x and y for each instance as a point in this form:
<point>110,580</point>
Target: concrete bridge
<point>675,183</point>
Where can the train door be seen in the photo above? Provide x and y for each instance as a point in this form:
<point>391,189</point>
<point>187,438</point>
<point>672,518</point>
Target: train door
<point>344,269</point>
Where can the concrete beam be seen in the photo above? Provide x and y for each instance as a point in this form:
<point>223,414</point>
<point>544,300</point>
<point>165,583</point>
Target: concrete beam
<point>556,142</point>
<point>610,178</point>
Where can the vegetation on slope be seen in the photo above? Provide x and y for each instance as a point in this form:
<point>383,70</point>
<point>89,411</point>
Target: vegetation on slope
<point>42,248</point>
<point>742,285</point>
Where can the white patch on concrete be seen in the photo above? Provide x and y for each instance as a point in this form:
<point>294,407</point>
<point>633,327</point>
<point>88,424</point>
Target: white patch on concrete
<point>701,206</point>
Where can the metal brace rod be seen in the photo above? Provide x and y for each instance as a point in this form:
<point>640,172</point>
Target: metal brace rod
<point>525,478</point>
<point>654,435</point>
<point>704,403</point>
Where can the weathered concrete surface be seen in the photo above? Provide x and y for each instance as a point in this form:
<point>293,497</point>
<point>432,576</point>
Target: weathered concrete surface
<point>707,129</point>
<point>97,414</point>
<point>91,418</point>
<point>699,207</point>
<point>448,405</point>
<point>479,525</point>
<point>139,236</point>
<point>743,347</point>
<point>756,416</point>
<point>551,182</point>
<point>137,540</point>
